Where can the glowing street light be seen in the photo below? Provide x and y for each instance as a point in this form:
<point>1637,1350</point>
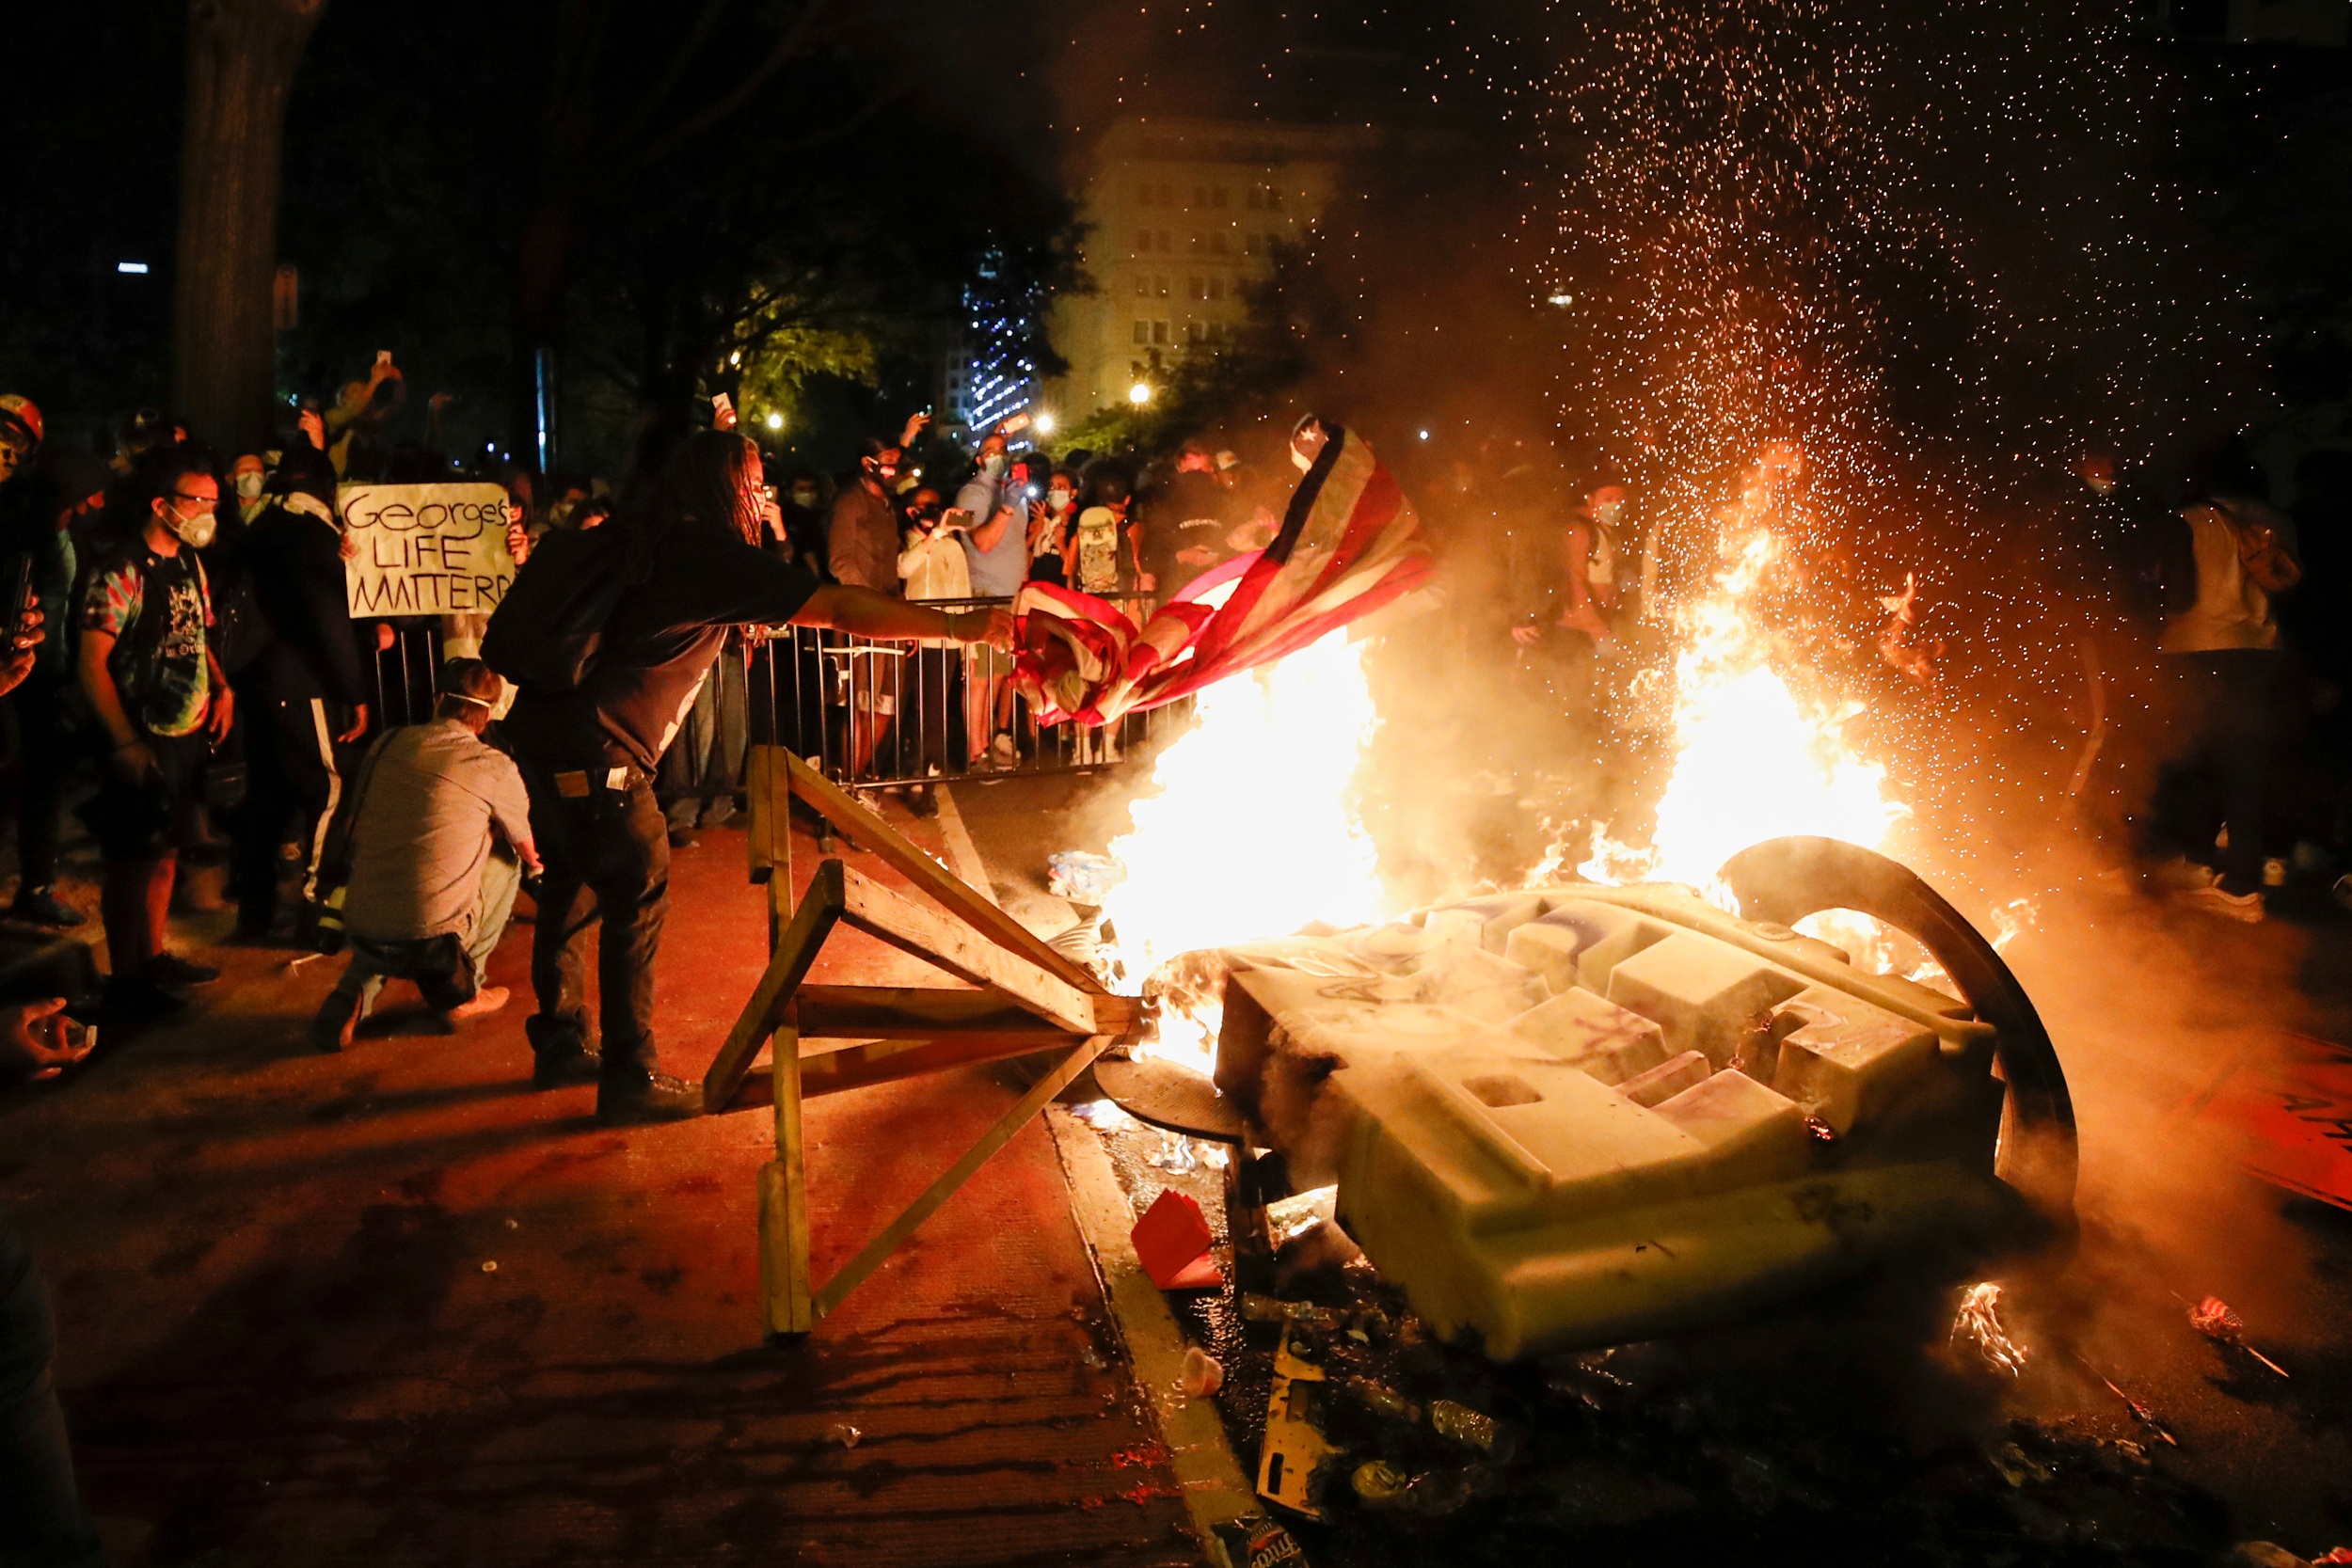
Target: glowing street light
<point>1043,424</point>
<point>775,422</point>
<point>1139,394</point>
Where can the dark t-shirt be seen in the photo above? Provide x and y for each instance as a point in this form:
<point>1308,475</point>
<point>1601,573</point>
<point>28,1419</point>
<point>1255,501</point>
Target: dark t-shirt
<point>1187,512</point>
<point>697,580</point>
<point>157,607</point>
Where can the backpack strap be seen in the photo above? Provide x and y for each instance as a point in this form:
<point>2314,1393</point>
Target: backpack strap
<point>335,854</point>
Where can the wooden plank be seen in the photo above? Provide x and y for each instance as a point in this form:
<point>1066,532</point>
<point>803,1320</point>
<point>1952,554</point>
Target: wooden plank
<point>758,795</point>
<point>903,1012</point>
<point>862,1065</point>
<point>966,953</point>
<point>795,951</point>
<point>788,1302</point>
<point>951,892</point>
<point>922,1012</point>
<point>869,1257</point>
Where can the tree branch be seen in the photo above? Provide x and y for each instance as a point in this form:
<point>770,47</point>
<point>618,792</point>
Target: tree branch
<point>788,44</point>
<point>680,60</point>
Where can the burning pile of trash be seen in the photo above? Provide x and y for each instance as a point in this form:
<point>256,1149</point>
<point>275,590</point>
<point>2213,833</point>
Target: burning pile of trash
<point>1870,1421</point>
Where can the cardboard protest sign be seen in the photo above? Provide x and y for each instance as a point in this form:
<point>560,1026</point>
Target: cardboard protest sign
<point>426,549</point>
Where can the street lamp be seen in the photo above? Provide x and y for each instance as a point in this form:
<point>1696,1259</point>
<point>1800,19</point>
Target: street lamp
<point>1139,394</point>
<point>1043,424</point>
<point>775,422</point>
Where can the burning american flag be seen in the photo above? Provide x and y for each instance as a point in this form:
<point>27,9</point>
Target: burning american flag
<point>1348,545</point>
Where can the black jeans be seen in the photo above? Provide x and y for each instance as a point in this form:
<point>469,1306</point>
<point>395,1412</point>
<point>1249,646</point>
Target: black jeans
<point>49,751</point>
<point>2231,711</point>
<point>41,1510</point>
<point>612,845</point>
<point>292,777</point>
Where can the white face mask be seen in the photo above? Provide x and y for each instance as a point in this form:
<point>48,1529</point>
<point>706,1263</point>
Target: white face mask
<point>992,465</point>
<point>248,485</point>
<point>1058,499</point>
<point>1608,515</point>
<point>196,532</point>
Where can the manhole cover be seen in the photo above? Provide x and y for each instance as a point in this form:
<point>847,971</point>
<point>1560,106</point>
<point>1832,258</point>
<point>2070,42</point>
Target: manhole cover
<point>1169,1095</point>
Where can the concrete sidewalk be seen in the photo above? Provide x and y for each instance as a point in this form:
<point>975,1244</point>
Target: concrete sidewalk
<point>395,1307</point>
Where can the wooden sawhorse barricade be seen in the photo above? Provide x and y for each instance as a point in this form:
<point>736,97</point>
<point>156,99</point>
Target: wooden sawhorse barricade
<point>1020,995</point>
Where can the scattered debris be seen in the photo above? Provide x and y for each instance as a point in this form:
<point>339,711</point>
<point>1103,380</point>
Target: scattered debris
<point>1203,1374</point>
<point>1104,1115</point>
<point>1470,1428</point>
<point>1082,878</point>
<point>843,1434</point>
<point>2140,1412</point>
<point>1175,1155</point>
<point>490,1267</point>
<point>1172,1239</point>
<point>1979,1323</point>
<point>2214,1319</point>
<point>1253,1540</point>
<point>1291,1460</point>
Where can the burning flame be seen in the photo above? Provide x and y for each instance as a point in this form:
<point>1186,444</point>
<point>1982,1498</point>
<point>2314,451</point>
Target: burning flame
<point>1978,1323</point>
<point>1753,760</point>
<point>1248,830</point>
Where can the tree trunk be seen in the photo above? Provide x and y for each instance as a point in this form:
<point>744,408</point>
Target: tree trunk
<point>242,56</point>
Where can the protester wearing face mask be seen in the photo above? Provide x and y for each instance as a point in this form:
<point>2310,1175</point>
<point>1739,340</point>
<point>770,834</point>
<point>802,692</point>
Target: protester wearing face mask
<point>248,475</point>
<point>149,670</point>
<point>797,534</point>
<point>997,551</point>
<point>1050,522</point>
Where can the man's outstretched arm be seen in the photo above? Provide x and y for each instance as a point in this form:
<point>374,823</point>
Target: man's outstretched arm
<point>864,613</point>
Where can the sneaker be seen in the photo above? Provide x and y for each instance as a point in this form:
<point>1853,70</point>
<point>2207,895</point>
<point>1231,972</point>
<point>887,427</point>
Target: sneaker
<point>129,998</point>
<point>659,1098</point>
<point>170,969</point>
<point>2247,907</point>
<point>920,801</point>
<point>40,906</point>
<point>1002,752</point>
<point>331,1027</point>
<point>564,1064</point>
<point>489,999</point>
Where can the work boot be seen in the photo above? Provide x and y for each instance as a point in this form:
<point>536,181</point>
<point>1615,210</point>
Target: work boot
<point>657,1097</point>
<point>560,1048</point>
<point>338,1016</point>
<point>40,906</point>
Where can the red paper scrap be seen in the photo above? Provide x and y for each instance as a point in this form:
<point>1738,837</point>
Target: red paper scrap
<point>1173,1239</point>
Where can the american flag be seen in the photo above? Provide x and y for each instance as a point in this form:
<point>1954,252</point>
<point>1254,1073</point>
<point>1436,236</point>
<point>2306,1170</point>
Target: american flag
<point>1348,545</point>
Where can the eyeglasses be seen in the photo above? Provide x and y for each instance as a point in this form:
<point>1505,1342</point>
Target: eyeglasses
<point>196,500</point>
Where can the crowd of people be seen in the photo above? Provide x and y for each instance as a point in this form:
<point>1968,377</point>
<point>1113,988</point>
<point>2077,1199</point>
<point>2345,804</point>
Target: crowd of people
<point>205,695</point>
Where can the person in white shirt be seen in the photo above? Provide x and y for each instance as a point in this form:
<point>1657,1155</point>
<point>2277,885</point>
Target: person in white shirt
<point>433,851</point>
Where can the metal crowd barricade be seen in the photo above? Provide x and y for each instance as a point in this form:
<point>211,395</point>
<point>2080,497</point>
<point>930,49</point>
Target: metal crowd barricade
<point>865,713</point>
<point>408,674</point>
<point>874,714</point>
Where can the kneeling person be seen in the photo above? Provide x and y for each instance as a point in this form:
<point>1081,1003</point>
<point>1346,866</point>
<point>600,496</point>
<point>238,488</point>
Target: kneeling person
<point>427,891</point>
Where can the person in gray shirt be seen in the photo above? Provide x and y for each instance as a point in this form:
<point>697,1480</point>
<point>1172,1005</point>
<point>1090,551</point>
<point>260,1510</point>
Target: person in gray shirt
<point>427,891</point>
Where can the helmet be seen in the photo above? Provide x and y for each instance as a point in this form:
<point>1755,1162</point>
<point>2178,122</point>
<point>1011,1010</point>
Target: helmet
<point>20,415</point>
